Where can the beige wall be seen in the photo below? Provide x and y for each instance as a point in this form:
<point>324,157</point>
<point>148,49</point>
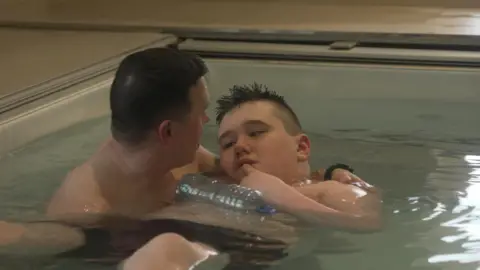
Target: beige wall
<point>418,3</point>
<point>409,16</point>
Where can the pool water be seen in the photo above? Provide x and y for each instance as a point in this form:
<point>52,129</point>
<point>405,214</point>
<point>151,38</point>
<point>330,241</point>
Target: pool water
<point>431,200</point>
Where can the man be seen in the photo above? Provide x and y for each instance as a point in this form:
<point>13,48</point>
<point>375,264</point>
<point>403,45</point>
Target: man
<point>262,146</point>
<point>158,100</point>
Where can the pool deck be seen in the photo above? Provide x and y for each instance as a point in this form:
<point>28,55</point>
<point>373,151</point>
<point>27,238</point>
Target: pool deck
<point>443,17</point>
<point>31,56</point>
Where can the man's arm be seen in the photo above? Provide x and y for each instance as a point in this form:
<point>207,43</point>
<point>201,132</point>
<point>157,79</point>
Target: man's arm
<point>209,165</point>
<point>40,238</point>
<point>208,161</point>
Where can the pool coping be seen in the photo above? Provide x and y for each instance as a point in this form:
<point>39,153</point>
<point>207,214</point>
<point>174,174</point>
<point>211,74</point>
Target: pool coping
<point>280,35</point>
<point>54,115</point>
<point>347,52</point>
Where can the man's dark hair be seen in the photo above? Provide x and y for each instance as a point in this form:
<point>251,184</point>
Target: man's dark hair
<point>240,94</point>
<point>151,86</point>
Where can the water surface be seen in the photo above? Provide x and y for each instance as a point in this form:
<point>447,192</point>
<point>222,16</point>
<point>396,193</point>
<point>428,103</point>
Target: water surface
<point>431,198</point>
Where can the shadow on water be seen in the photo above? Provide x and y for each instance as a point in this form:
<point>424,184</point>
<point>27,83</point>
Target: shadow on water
<point>248,245</point>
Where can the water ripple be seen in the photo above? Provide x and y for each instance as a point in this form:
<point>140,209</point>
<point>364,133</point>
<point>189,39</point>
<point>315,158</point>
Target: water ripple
<point>465,223</point>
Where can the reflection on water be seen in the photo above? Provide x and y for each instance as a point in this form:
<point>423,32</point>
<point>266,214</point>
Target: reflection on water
<point>431,200</point>
<point>466,224</point>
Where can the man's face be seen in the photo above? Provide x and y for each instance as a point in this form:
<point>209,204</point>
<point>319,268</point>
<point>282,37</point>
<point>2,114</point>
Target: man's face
<point>189,132</point>
<point>254,133</point>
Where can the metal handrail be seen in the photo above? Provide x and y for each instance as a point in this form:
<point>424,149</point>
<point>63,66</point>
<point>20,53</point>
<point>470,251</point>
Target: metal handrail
<point>328,53</point>
<point>379,39</point>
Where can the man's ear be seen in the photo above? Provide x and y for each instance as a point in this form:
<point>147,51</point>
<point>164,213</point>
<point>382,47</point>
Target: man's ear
<point>303,147</point>
<point>164,131</point>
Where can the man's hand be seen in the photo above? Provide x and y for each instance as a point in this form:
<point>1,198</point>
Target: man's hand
<point>10,233</point>
<point>343,176</point>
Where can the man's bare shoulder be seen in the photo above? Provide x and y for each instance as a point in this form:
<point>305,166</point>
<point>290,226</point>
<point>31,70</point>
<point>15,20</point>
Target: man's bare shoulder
<point>79,193</point>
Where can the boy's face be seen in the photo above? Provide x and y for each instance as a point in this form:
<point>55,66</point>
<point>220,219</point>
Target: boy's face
<point>254,134</point>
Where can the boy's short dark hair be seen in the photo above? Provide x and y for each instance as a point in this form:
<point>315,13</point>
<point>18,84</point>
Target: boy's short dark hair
<point>240,94</point>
